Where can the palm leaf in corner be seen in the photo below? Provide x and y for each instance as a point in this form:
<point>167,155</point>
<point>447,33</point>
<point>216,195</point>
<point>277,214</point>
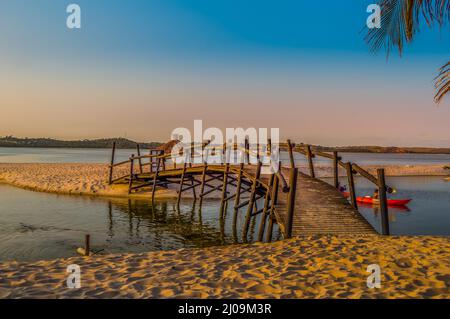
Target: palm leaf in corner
<point>442,83</point>
<point>400,22</point>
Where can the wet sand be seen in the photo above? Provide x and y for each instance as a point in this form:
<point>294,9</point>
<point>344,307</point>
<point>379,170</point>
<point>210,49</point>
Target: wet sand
<point>70,179</point>
<point>309,267</point>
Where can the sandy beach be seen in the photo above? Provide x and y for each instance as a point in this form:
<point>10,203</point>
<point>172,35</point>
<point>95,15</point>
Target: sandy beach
<point>91,179</point>
<point>305,267</point>
<point>309,267</point>
<point>69,179</point>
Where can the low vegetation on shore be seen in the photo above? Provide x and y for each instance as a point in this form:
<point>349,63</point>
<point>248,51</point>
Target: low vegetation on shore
<point>11,141</point>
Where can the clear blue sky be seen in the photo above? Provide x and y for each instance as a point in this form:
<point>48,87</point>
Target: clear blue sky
<point>287,64</point>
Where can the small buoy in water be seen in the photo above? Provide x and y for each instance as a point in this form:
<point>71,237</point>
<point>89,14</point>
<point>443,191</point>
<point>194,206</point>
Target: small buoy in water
<point>447,179</point>
<point>81,251</point>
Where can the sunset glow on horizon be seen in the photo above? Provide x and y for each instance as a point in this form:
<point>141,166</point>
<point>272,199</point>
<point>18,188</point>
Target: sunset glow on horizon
<point>140,70</point>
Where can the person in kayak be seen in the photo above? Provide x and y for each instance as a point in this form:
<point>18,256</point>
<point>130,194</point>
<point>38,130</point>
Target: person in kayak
<point>376,194</point>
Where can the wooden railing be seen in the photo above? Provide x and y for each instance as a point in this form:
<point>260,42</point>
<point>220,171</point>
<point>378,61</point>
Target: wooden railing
<point>235,175</point>
<point>351,170</point>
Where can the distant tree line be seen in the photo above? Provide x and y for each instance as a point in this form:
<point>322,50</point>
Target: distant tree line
<point>11,141</point>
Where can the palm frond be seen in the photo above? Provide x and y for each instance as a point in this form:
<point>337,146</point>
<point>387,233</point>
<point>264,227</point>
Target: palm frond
<point>442,83</point>
<point>400,22</point>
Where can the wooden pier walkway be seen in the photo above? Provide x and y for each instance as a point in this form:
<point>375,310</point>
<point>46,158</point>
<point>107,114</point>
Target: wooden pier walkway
<point>321,209</point>
<point>299,203</point>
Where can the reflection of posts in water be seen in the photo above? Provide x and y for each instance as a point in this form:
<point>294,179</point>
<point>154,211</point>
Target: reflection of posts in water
<point>200,220</point>
<point>252,227</point>
<point>110,218</point>
<point>130,219</point>
<point>235,235</point>
<point>222,230</point>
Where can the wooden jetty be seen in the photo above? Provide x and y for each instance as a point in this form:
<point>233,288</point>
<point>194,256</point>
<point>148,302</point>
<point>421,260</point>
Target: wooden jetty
<point>299,203</point>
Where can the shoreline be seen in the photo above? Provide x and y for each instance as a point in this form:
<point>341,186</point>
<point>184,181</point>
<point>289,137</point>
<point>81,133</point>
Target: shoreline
<point>303,267</point>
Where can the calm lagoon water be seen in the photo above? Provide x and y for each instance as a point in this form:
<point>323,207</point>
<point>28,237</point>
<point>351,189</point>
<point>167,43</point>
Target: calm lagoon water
<point>72,155</point>
<point>35,226</point>
<point>427,214</point>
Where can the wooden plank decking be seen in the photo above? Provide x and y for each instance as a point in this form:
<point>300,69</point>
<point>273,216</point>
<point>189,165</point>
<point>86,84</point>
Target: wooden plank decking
<point>321,209</point>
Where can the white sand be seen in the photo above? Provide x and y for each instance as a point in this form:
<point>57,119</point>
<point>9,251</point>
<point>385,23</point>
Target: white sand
<point>310,267</point>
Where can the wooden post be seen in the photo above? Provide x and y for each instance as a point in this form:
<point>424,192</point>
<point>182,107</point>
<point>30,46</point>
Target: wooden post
<point>150,152</point>
<point>155,178</point>
<point>267,198</point>
<point>224,188</point>
<point>87,245</point>
<point>237,198</point>
<point>202,187</point>
<point>247,151</point>
<point>163,162</point>
<point>111,167</point>
<point>351,184</point>
<point>274,198</point>
<point>310,161</point>
<point>138,149</point>
<point>180,190</point>
<point>291,201</point>
<point>336,169</point>
<point>257,151</point>
<point>130,183</point>
<point>383,202</point>
<point>251,202</point>
<point>291,153</point>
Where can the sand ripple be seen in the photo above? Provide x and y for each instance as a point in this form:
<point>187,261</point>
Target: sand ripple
<point>309,267</point>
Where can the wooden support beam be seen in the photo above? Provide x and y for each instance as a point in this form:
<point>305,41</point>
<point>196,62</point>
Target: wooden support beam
<point>180,189</point>
<point>383,202</point>
<point>238,187</point>
<point>155,178</point>
<point>251,201</point>
<point>111,167</point>
<point>130,182</point>
<point>309,156</point>
<point>291,200</point>
<point>224,188</point>
<point>138,149</point>
<point>267,198</point>
<point>291,154</point>
<point>247,151</point>
<point>193,183</point>
<point>274,199</point>
<point>336,169</point>
<point>351,184</point>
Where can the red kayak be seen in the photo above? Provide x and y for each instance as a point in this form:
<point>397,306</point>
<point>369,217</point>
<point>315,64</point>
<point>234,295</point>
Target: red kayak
<point>391,202</point>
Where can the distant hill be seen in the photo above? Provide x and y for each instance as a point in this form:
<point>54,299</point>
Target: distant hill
<point>10,141</point>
